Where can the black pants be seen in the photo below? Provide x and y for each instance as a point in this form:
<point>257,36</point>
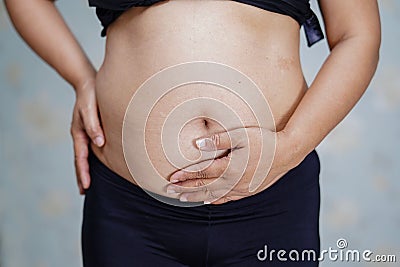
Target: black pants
<point>123,226</point>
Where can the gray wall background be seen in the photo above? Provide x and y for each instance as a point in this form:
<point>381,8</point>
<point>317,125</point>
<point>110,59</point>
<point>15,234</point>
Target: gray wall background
<point>40,209</point>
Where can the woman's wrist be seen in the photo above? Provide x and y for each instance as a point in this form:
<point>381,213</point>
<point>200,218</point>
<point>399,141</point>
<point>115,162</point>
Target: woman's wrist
<point>84,78</point>
<point>85,84</point>
<point>293,144</point>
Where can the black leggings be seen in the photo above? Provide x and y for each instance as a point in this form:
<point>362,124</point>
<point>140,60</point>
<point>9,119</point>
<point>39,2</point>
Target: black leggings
<point>123,226</point>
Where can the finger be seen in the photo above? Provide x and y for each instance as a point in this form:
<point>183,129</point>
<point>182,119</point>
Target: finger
<point>203,170</point>
<point>222,140</point>
<point>221,185</point>
<point>80,187</point>
<point>206,196</point>
<point>190,185</point>
<point>81,152</point>
<point>223,200</point>
<point>79,183</point>
<point>77,174</point>
<point>91,124</point>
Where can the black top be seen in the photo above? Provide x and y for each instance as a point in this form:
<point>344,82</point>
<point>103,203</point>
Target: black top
<point>109,10</point>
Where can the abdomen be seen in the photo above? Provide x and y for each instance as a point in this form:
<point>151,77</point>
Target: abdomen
<point>143,41</point>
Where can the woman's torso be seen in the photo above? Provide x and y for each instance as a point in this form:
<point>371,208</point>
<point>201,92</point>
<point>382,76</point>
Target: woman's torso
<point>144,40</point>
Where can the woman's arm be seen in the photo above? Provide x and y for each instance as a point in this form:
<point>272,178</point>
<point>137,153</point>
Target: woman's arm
<point>353,31</point>
<point>40,24</point>
<point>354,36</point>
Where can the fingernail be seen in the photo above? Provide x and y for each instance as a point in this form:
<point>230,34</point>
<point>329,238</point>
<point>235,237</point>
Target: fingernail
<point>205,144</point>
<point>85,183</point>
<point>99,141</point>
<point>183,198</point>
<point>175,177</point>
<point>201,143</point>
<point>170,190</point>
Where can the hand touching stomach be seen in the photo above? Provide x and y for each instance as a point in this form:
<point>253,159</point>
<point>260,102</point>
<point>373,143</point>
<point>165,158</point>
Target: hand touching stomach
<point>144,41</point>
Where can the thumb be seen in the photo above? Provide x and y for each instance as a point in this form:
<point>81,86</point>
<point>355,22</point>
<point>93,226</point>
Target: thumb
<point>92,127</point>
<point>222,140</point>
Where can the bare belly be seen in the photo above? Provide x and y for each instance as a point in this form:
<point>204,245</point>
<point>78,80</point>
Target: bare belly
<point>145,40</point>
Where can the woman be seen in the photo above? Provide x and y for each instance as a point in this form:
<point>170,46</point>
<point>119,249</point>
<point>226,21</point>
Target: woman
<point>124,226</point>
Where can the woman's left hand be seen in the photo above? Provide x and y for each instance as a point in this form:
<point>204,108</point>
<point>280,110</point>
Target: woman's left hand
<point>224,179</point>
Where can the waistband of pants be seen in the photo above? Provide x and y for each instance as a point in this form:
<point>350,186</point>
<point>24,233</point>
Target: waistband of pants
<point>310,166</point>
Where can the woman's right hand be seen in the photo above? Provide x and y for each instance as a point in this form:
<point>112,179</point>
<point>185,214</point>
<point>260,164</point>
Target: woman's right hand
<point>85,127</point>
<point>53,41</point>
